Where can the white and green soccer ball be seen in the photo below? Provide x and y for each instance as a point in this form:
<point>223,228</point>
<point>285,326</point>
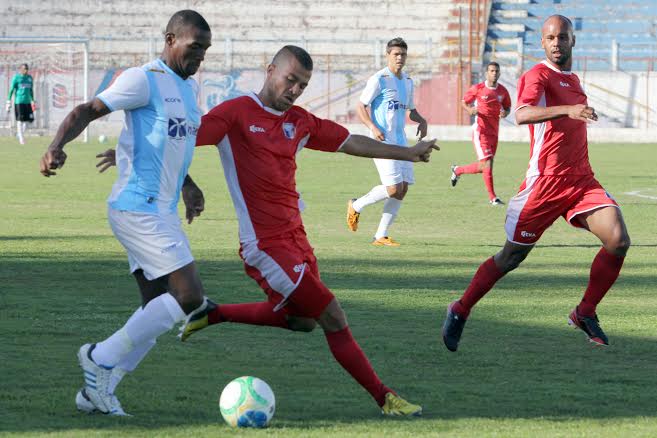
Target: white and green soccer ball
<point>247,402</point>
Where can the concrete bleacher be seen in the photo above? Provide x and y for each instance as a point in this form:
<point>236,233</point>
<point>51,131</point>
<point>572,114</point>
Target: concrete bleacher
<point>123,31</point>
<point>601,27</point>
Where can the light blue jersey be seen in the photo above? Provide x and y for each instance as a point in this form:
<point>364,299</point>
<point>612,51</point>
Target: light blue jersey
<point>390,98</point>
<point>158,138</point>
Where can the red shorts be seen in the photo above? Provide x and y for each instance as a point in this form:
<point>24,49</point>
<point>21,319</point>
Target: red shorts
<point>485,145</point>
<point>542,199</point>
<point>286,269</point>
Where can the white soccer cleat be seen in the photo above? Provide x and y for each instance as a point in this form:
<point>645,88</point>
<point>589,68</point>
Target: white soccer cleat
<point>496,201</point>
<point>96,380</point>
<point>84,404</point>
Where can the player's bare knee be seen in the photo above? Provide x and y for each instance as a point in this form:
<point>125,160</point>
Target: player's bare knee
<point>619,244</point>
<point>332,318</point>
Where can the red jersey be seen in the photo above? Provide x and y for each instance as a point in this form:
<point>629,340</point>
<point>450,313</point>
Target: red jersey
<point>559,146</point>
<point>489,103</point>
<point>258,147</point>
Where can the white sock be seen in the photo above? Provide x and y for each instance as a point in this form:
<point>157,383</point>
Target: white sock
<point>19,130</point>
<point>132,359</point>
<point>129,363</point>
<point>390,209</point>
<point>23,126</point>
<point>378,193</point>
<point>159,316</point>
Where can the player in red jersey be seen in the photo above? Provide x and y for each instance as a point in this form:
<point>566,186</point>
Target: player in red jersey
<point>489,102</point>
<point>258,137</point>
<point>559,182</point>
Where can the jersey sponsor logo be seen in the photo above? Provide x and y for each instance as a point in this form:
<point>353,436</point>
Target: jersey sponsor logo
<point>299,268</point>
<point>172,99</point>
<point>484,97</point>
<point>177,128</point>
<point>289,130</point>
<point>254,128</point>
<point>527,234</point>
<point>499,98</point>
<point>564,84</point>
<point>395,105</point>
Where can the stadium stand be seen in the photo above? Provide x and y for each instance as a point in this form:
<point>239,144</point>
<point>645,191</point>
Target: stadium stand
<point>611,35</point>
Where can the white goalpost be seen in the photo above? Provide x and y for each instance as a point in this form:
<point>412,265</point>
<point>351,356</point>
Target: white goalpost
<point>60,69</point>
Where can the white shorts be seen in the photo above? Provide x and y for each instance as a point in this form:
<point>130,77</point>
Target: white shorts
<point>155,243</point>
<point>394,172</point>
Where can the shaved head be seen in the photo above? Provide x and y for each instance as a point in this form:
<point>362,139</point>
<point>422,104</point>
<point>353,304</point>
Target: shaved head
<point>553,20</point>
<point>558,40</point>
<point>295,52</point>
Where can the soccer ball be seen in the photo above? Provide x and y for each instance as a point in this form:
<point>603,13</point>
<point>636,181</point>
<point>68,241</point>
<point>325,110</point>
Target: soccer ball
<point>247,402</point>
<point>102,138</point>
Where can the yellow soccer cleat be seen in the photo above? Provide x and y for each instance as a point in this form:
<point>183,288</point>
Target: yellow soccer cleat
<point>352,216</point>
<point>395,406</point>
<point>196,321</point>
<point>384,241</point>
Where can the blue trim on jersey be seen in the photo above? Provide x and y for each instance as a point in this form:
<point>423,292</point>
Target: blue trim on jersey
<point>193,119</point>
<point>401,118</point>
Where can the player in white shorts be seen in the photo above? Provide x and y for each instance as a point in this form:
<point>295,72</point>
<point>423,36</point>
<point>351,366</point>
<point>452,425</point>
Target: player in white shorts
<point>153,155</point>
<point>389,93</point>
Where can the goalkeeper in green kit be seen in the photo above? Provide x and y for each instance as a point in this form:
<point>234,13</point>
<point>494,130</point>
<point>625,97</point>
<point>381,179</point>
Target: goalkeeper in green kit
<point>24,103</point>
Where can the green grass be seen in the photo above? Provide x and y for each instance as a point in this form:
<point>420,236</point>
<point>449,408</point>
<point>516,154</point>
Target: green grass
<point>520,370</point>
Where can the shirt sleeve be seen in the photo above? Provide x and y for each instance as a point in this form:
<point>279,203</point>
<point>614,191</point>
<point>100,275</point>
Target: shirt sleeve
<point>215,125</point>
<point>325,135</point>
<point>12,88</point>
<point>129,91</point>
<point>506,101</point>
<point>411,98</point>
<point>531,89</point>
<point>470,95</point>
<point>371,90</point>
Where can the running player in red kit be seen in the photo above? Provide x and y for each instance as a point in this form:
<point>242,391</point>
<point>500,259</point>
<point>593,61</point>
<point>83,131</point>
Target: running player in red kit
<point>489,102</point>
<point>258,137</point>
<point>559,182</point>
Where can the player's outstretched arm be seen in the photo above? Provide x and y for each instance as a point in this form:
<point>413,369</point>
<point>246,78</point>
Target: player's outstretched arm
<point>362,146</point>
<point>538,114</point>
<point>74,123</point>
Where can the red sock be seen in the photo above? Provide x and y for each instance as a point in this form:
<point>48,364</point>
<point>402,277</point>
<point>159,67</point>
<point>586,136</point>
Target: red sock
<point>488,181</point>
<point>347,352</point>
<point>604,272</point>
<point>470,168</point>
<point>261,313</point>
<point>483,281</point>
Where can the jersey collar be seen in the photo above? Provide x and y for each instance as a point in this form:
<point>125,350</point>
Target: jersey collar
<point>254,96</point>
<point>551,67</point>
<point>490,88</point>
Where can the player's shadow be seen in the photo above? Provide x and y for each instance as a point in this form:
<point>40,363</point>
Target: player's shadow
<point>517,361</point>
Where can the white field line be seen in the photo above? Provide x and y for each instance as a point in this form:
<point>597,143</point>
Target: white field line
<point>638,194</point>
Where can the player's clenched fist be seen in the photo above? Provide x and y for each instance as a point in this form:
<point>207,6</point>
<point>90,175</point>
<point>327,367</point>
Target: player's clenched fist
<point>582,112</point>
<point>52,159</point>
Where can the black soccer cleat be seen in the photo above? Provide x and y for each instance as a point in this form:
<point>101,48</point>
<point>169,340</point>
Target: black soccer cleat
<point>454,178</point>
<point>590,326</point>
<point>452,328</point>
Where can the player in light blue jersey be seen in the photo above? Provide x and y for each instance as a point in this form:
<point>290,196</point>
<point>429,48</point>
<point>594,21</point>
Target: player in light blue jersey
<point>153,155</point>
<point>389,94</point>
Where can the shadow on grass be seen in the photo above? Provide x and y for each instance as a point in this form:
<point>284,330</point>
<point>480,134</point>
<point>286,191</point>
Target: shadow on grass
<point>514,362</point>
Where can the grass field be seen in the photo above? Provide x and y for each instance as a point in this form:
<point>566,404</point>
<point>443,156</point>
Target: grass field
<point>520,370</point>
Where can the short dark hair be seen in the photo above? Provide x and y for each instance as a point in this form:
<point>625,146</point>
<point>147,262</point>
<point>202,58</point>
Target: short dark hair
<point>25,65</point>
<point>186,18</point>
<point>299,54</point>
<point>493,63</point>
<point>396,42</point>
